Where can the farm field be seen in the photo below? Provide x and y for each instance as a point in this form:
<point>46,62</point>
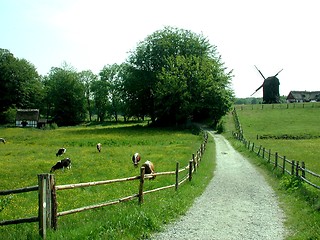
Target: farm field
<point>293,132</point>
<point>29,152</point>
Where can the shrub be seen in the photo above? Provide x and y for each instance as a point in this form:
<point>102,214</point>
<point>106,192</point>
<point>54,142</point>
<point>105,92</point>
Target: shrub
<point>220,127</point>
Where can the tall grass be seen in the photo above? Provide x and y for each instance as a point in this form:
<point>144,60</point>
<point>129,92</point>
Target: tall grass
<point>300,202</point>
<point>29,152</point>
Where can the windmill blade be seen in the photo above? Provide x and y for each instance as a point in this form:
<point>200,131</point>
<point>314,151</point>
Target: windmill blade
<point>257,90</point>
<point>260,72</point>
<point>278,73</point>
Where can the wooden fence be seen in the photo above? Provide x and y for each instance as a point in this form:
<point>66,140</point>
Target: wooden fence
<point>291,167</point>
<point>47,198</point>
<point>278,106</point>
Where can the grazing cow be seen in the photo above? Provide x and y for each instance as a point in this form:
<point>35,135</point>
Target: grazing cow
<point>61,151</point>
<point>99,147</point>
<point>64,163</point>
<point>2,140</point>
<point>136,159</point>
<point>149,168</point>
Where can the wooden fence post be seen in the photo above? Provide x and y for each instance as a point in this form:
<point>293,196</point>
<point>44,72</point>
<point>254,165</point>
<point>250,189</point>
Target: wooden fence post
<point>263,150</point>
<point>252,147</point>
<point>259,151</point>
<point>177,176</point>
<point>297,169</point>
<point>142,170</point>
<point>292,167</point>
<point>303,167</point>
<point>45,203</point>
<point>194,162</point>
<point>269,156</point>
<point>284,165</point>
<point>190,170</point>
<point>54,210</point>
<point>276,160</point>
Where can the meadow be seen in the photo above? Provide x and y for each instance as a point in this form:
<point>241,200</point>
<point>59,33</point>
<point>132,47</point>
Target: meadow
<point>293,131</point>
<point>29,152</point>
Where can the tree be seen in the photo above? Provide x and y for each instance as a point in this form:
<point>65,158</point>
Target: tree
<point>87,78</point>
<point>111,77</point>
<point>100,97</point>
<point>20,85</point>
<point>66,93</point>
<point>178,75</point>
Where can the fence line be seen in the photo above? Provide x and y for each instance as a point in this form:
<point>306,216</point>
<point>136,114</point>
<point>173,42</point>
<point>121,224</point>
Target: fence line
<point>279,106</point>
<point>295,168</point>
<point>47,198</point>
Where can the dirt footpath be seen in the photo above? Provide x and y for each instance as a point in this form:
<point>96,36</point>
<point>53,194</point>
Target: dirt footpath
<point>237,204</point>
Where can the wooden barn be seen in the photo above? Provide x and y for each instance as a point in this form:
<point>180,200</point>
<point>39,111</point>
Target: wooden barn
<point>27,117</point>
<point>303,96</point>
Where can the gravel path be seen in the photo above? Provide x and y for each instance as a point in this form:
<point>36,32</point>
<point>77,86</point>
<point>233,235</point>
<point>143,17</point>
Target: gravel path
<point>237,204</point>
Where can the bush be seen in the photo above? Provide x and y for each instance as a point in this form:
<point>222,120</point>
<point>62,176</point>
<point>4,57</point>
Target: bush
<point>51,126</point>
<point>10,115</point>
<point>220,127</point>
<point>290,183</point>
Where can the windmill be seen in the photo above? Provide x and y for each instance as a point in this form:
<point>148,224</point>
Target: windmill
<point>270,87</point>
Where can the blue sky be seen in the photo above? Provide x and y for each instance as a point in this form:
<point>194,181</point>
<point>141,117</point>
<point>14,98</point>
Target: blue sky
<point>271,34</point>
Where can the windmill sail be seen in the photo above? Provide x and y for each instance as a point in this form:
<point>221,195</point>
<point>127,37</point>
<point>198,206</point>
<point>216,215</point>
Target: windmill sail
<point>278,73</point>
<point>257,89</point>
<point>261,73</point>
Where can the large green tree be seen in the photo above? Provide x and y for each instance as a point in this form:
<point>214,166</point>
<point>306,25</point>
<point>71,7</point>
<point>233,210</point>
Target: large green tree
<point>20,85</point>
<point>111,78</point>
<point>176,75</point>
<point>66,94</point>
<point>87,78</point>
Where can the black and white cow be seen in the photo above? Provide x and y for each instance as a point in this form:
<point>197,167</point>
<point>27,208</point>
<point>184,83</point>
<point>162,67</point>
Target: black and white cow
<point>2,140</point>
<point>61,151</point>
<point>62,164</point>
<point>99,147</point>
<point>136,159</point>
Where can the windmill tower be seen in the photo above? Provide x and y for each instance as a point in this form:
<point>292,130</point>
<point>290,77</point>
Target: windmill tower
<point>270,87</point>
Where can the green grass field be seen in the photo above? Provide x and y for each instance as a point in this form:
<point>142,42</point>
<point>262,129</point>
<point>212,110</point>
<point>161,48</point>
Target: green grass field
<point>293,131</point>
<point>29,152</point>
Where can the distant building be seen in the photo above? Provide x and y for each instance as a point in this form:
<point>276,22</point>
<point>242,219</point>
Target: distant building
<point>27,117</point>
<point>303,96</point>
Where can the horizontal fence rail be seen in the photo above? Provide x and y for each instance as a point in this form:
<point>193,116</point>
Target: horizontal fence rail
<point>290,167</point>
<point>47,189</point>
<point>19,190</point>
<point>278,106</point>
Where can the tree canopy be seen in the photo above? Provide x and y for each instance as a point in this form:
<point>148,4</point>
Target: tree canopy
<point>20,85</point>
<point>173,76</point>
<point>66,96</point>
<point>177,75</point>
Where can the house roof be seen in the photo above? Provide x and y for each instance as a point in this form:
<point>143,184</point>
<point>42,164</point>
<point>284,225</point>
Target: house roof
<point>27,114</point>
<point>304,95</point>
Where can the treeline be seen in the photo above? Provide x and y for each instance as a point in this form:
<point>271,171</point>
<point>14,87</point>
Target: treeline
<point>173,76</point>
<point>252,100</point>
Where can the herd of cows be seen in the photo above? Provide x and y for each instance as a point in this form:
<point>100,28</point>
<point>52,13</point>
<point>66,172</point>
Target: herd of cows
<point>66,162</point>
